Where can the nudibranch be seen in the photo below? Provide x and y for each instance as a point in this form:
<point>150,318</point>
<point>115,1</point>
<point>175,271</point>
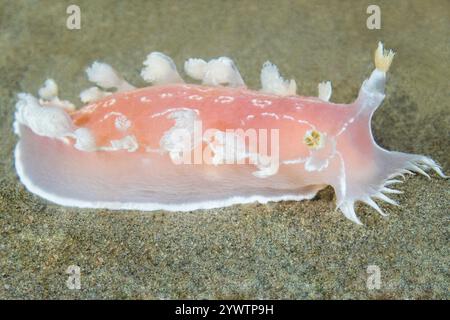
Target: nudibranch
<point>178,146</point>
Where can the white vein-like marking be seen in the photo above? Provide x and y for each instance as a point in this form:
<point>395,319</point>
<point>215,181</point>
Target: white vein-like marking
<point>299,105</point>
<point>90,108</point>
<point>110,114</point>
<point>195,97</point>
<point>224,99</point>
<point>109,103</point>
<point>306,122</point>
<point>298,160</point>
<point>269,114</point>
<point>158,114</point>
<point>344,127</point>
<point>261,103</point>
<point>203,89</point>
<point>347,123</point>
<point>145,99</point>
<point>351,120</point>
<point>313,100</point>
<point>166,95</point>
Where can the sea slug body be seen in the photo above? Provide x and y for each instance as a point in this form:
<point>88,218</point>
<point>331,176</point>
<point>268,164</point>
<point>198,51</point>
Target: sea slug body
<point>179,146</point>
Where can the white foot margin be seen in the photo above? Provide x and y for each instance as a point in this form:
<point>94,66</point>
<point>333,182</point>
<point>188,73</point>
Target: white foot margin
<point>66,200</point>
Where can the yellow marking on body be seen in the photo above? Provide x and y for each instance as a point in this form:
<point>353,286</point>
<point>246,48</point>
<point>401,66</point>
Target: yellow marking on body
<point>313,139</point>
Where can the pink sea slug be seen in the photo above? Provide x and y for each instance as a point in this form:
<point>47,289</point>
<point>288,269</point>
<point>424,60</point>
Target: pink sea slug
<point>178,146</point>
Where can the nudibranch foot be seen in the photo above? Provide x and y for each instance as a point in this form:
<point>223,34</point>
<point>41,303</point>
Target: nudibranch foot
<point>179,146</point>
<point>378,186</point>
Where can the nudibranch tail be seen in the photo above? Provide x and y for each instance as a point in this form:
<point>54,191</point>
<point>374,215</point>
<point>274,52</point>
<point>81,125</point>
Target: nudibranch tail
<point>179,146</point>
